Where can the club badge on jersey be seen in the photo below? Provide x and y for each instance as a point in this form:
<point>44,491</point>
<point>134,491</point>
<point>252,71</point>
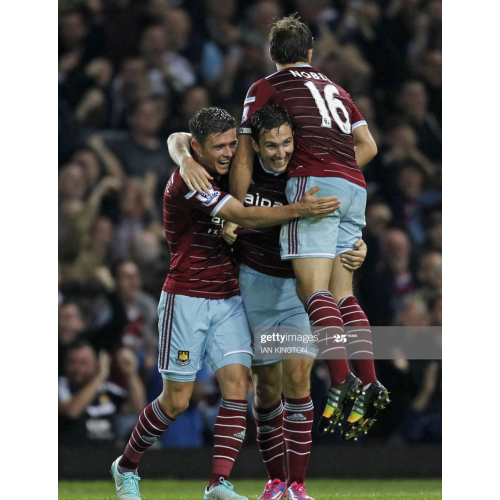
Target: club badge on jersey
<point>208,198</point>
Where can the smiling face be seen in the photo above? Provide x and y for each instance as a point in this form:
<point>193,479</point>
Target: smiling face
<point>217,151</point>
<point>275,147</point>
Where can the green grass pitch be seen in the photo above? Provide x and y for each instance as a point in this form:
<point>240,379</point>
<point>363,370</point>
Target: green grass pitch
<point>321,489</point>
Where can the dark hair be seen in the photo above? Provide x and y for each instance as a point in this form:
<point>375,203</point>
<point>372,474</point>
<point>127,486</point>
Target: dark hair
<point>290,40</point>
<point>79,343</point>
<point>268,118</point>
<point>210,121</point>
<point>117,264</point>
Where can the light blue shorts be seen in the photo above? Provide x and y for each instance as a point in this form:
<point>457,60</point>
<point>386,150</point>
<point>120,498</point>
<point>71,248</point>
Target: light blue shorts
<point>270,301</point>
<point>193,329</point>
<point>331,235</point>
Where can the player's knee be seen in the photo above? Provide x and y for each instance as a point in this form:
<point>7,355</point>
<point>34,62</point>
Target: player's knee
<point>174,404</point>
<point>235,388</point>
<point>296,381</point>
<point>267,392</point>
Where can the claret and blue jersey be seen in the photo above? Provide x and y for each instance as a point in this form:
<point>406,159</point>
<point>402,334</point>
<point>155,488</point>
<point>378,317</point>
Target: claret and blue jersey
<point>323,115</point>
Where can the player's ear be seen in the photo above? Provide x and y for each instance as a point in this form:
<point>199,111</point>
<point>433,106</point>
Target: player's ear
<point>309,55</point>
<point>271,56</point>
<point>255,146</point>
<point>196,147</point>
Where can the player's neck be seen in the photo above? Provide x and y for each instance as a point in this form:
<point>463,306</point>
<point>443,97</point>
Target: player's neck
<point>279,67</point>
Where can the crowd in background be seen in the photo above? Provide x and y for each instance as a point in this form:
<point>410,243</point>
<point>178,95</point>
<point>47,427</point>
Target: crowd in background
<point>131,72</point>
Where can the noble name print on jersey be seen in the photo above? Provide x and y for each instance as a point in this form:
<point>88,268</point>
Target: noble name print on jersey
<point>323,114</point>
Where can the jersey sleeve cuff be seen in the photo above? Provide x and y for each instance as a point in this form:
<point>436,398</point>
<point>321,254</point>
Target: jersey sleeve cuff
<point>219,205</point>
<point>190,194</point>
<point>245,130</point>
<point>358,124</point>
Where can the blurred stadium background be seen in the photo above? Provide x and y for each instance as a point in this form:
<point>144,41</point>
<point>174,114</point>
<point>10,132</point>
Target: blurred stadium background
<point>133,71</point>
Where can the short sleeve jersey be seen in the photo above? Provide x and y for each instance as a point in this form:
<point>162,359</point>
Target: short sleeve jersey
<point>260,248</point>
<point>201,262</point>
<point>323,115</point>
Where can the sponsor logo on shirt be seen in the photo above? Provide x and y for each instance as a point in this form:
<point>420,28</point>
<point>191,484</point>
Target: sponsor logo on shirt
<point>208,198</point>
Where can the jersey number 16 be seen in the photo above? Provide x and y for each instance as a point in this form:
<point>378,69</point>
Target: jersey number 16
<point>333,103</point>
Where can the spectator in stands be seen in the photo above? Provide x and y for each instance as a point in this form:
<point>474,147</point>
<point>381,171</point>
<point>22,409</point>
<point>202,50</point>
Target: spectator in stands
<point>430,277</point>
<point>72,182</point>
<point>88,402</point>
<point>413,102</point>
<point>132,84</point>
<point>193,100</point>
<point>92,108</point>
<point>79,43</point>
<point>138,214</point>
<point>414,313</point>
<point>436,309</point>
<point>435,236</point>
<point>141,150</point>
<point>139,329</point>
<point>391,285</point>
<point>406,202</point>
<point>378,218</point>
<point>93,253</point>
<point>422,420</point>
<point>71,325</point>
<point>165,65</point>
<point>183,39</point>
<point>221,53</point>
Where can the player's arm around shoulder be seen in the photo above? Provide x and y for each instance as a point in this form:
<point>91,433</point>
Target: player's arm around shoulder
<point>193,174</point>
<point>365,148</point>
<point>251,217</point>
<point>241,171</point>
<point>260,94</point>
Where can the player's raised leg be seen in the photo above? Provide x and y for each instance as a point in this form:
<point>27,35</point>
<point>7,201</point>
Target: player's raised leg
<point>268,416</point>
<point>313,275</point>
<point>297,423</point>
<point>360,348</point>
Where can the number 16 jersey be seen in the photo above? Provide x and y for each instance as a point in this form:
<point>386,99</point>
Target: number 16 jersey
<point>323,116</point>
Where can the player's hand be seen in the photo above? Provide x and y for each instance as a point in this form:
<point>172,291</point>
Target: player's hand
<point>228,232</point>
<point>195,176</point>
<point>353,259</point>
<point>312,206</point>
<point>126,361</point>
<point>104,363</point>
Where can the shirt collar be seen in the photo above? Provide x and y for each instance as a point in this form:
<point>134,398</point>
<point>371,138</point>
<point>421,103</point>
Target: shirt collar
<point>268,171</point>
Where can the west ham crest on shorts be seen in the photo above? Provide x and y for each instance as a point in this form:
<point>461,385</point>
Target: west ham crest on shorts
<point>183,358</point>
